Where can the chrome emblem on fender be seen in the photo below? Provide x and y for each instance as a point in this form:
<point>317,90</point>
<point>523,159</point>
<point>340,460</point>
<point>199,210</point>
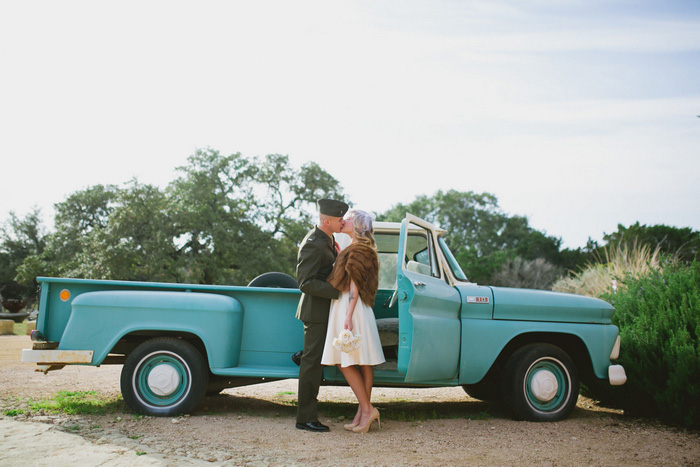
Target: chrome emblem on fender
<point>477,299</point>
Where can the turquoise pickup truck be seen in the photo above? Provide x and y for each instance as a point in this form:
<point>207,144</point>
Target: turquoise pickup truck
<point>177,342</point>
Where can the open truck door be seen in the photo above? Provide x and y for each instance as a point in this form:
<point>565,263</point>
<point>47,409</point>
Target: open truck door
<point>429,307</point>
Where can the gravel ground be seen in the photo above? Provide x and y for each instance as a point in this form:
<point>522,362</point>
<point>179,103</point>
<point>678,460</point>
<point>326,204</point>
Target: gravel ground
<point>254,425</point>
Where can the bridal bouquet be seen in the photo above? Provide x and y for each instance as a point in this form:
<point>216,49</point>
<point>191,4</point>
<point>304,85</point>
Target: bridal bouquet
<point>346,341</point>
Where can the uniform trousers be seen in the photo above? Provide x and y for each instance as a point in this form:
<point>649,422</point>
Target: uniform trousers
<point>310,371</point>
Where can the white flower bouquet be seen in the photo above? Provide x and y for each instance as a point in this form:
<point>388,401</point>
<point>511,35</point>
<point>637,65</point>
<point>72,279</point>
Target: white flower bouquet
<point>346,341</point>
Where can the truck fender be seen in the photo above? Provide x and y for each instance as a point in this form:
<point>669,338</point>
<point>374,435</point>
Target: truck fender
<point>100,319</point>
<point>483,341</point>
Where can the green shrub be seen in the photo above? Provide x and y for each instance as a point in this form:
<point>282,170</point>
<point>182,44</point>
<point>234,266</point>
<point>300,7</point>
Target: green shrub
<point>659,320</point>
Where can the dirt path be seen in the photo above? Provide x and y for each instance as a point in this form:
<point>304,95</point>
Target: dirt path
<point>254,425</point>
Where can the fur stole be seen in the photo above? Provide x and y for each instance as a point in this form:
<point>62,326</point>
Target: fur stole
<point>357,262</point>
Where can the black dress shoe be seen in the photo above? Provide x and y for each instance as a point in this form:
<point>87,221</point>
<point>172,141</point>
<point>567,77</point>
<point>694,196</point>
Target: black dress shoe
<point>296,358</point>
<point>312,426</point>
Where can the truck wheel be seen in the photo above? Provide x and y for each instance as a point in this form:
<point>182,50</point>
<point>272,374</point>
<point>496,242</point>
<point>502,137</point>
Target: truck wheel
<point>540,383</point>
<point>164,376</point>
<point>274,279</point>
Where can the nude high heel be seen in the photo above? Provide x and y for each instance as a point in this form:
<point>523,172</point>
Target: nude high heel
<point>373,417</point>
<point>350,426</point>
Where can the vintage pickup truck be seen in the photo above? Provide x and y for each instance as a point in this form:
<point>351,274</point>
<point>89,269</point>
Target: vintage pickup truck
<point>179,341</point>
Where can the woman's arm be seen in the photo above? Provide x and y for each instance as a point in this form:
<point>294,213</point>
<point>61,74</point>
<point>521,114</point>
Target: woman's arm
<point>354,295</point>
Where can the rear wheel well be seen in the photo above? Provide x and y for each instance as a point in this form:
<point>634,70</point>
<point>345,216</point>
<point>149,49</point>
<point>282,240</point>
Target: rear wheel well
<point>130,341</point>
<point>569,343</point>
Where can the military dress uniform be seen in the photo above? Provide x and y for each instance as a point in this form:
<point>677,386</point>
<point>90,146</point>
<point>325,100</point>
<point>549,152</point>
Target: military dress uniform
<point>315,261</point>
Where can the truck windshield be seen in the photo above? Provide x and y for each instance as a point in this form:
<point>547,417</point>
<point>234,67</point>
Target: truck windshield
<point>454,266</point>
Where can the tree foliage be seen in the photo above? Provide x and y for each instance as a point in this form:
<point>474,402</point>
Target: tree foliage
<point>482,237</point>
<point>20,238</point>
<point>201,228</point>
<point>204,225</point>
<point>225,207</point>
<point>595,265</point>
<point>682,243</point>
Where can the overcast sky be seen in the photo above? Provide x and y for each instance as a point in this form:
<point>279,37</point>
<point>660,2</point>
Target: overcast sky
<point>577,114</point>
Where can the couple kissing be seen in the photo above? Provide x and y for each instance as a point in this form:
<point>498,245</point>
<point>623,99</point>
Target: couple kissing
<point>338,290</point>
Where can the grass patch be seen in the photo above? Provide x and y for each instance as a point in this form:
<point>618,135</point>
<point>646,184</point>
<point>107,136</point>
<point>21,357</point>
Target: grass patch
<point>13,412</point>
<point>482,416</point>
<point>79,403</point>
<point>20,329</point>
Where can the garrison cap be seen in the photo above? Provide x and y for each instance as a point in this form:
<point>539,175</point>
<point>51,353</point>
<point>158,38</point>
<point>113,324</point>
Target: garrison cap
<point>331,207</point>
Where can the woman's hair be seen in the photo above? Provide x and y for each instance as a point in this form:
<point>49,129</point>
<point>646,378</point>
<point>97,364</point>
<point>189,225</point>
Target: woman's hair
<point>362,226</point>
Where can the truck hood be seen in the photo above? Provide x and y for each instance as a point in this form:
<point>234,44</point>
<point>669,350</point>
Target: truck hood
<point>540,305</point>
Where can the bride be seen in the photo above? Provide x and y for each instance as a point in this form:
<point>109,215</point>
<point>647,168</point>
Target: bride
<point>355,274</point>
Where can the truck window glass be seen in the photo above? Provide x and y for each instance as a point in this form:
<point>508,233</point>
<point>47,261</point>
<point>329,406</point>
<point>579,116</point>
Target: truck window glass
<point>451,261</point>
<point>422,258</point>
<point>387,270</point>
<point>387,248</point>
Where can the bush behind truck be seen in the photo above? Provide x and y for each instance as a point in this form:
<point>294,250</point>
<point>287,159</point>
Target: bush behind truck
<point>179,341</point>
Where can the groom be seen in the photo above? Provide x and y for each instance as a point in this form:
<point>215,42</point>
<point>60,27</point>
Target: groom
<point>317,254</point>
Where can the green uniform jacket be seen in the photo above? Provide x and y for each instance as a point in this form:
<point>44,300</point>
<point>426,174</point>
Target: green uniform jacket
<point>314,265</point>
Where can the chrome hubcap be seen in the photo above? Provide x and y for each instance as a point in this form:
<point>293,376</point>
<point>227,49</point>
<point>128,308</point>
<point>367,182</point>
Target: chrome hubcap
<point>163,380</point>
<point>544,385</point>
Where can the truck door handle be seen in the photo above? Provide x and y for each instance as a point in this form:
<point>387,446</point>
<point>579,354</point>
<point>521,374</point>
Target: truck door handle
<point>419,284</point>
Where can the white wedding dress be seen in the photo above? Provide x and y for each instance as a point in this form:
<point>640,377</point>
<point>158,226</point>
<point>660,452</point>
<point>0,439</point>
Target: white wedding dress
<point>364,324</point>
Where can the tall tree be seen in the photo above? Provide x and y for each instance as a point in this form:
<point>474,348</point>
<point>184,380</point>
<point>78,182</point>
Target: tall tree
<point>223,220</point>
<point>20,238</point>
<point>211,201</point>
<point>681,242</point>
<point>288,192</point>
<point>136,243</point>
<point>82,215</point>
<point>237,217</point>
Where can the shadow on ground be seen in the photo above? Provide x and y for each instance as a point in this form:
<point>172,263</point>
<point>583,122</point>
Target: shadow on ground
<point>399,410</point>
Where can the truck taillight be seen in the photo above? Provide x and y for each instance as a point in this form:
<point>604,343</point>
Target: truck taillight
<point>64,295</point>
